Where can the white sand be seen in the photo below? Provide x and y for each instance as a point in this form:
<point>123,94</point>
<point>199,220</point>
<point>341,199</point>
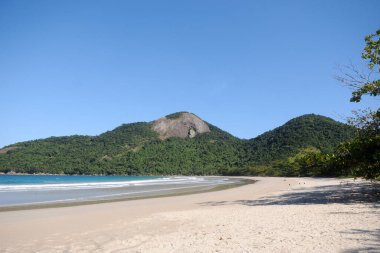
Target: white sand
<point>310,215</point>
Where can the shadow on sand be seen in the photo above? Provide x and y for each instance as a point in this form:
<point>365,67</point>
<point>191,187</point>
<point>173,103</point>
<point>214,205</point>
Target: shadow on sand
<point>371,245</point>
<point>347,194</point>
<point>351,193</point>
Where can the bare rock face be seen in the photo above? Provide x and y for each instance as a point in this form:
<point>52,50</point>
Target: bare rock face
<point>182,125</point>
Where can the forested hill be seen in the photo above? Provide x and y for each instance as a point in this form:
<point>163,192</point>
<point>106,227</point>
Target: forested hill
<point>179,143</point>
<point>307,131</point>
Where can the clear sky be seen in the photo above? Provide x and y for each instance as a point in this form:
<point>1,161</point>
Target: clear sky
<point>84,67</point>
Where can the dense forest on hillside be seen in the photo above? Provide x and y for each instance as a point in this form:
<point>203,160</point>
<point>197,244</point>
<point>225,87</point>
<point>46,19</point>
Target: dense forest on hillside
<point>319,132</point>
<point>135,149</point>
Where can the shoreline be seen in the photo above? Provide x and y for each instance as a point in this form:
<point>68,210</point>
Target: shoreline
<point>271,215</point>
<point>59,204</point>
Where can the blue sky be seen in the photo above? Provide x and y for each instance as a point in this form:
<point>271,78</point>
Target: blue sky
<point>84,67</point>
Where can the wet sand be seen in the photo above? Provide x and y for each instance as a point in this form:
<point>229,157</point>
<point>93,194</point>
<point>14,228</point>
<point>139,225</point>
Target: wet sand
<point>272,215</point>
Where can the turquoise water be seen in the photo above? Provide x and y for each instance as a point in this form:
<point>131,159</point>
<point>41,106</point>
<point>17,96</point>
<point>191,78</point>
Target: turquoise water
<point>18,190</point>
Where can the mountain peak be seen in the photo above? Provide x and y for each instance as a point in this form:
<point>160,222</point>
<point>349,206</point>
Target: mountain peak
<point>180,124</point>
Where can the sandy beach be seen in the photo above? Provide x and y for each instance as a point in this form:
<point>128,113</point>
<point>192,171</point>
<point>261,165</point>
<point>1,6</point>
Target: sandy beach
<point>271,215</point>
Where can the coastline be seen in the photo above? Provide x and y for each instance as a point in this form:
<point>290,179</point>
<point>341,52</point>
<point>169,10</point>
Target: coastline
<point>271,215</point>
<point>185,191</point>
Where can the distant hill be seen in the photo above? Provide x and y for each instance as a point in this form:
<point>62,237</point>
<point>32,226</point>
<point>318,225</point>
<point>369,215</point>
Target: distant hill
<point>180,143</point>
<point>307,131</point>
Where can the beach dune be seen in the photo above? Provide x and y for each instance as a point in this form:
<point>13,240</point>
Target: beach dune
<point>271,215</point>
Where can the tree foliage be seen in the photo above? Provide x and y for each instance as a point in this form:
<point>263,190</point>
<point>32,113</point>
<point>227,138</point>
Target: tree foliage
<point>361,155</point>
<point>371,53</point>
<point>309,130</point>
<point>135,149</point>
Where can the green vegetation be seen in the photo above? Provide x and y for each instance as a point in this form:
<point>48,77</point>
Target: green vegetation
<point>361,156</point>
<point>371,52</point>
<point>310,145</point>
<point>306,131</point>
<point>135,149</point>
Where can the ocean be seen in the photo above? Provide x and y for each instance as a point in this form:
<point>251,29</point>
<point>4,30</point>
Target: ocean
<point>24,190</point>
